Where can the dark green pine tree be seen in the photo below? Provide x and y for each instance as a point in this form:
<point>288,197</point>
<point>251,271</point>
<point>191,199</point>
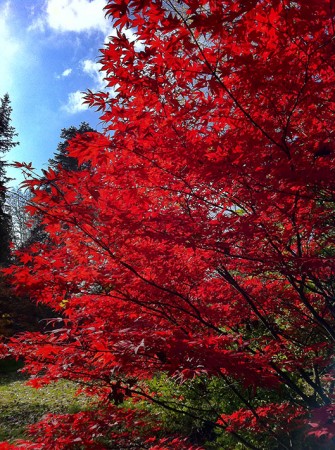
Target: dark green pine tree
<point>61,159</point>
<point>61,155</point>
<point>7,135</point>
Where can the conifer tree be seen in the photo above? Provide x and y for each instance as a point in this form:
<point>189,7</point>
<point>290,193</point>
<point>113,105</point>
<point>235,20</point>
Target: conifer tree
<point>61,155</point>
<point>7,135</point>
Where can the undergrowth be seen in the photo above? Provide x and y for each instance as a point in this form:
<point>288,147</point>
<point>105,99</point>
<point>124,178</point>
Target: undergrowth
<point>22,405</point>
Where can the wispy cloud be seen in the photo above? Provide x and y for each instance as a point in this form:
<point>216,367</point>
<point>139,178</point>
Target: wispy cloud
<point>77,16</point>
<point>75,99</point>
<point>65,73</point>
<point>10,48</point>
<point>75,103</point>
<point>92,69</point>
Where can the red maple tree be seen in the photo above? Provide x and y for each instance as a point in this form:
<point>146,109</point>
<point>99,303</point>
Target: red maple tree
<point>199,241</point>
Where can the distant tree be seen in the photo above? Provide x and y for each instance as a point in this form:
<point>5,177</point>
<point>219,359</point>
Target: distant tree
<point>61,155</point>
<point>16,203</point>
<point>17,200</point>
<point>7,134</point>
<point>5,231</point>
<point>18,313</point>
<point>62,160</point>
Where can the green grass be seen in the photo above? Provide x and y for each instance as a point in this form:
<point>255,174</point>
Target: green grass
<point>21,405</point>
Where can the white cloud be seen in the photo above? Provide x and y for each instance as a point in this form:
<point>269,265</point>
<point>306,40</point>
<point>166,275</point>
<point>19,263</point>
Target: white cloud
<point>76,15</point>
<point>75,103</point>
<point>75,99</point>
<point>65,73</point>
<point>92,69</point>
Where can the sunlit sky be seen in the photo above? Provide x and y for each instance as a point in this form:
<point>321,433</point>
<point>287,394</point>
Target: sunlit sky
<point>49,53</point>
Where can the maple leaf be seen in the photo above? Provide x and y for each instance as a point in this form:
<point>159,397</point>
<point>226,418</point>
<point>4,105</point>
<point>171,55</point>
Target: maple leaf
<point>198,243</point>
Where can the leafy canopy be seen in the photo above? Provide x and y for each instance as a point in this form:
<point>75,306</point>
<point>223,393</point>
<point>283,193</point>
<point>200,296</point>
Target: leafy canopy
<point>198,242</point>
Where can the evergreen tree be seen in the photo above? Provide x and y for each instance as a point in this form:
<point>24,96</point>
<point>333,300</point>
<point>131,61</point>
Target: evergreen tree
<point>61,155</point>
<point>7,134</point>
<point>69,163</point>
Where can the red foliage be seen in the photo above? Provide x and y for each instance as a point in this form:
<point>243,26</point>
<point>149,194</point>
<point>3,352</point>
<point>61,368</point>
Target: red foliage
<point>254,419</point>
<point>200,239</point>
<point>323,422</point>
<point>86,429</point>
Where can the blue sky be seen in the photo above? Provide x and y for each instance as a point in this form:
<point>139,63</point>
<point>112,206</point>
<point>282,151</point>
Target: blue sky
<point>49,54</point>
